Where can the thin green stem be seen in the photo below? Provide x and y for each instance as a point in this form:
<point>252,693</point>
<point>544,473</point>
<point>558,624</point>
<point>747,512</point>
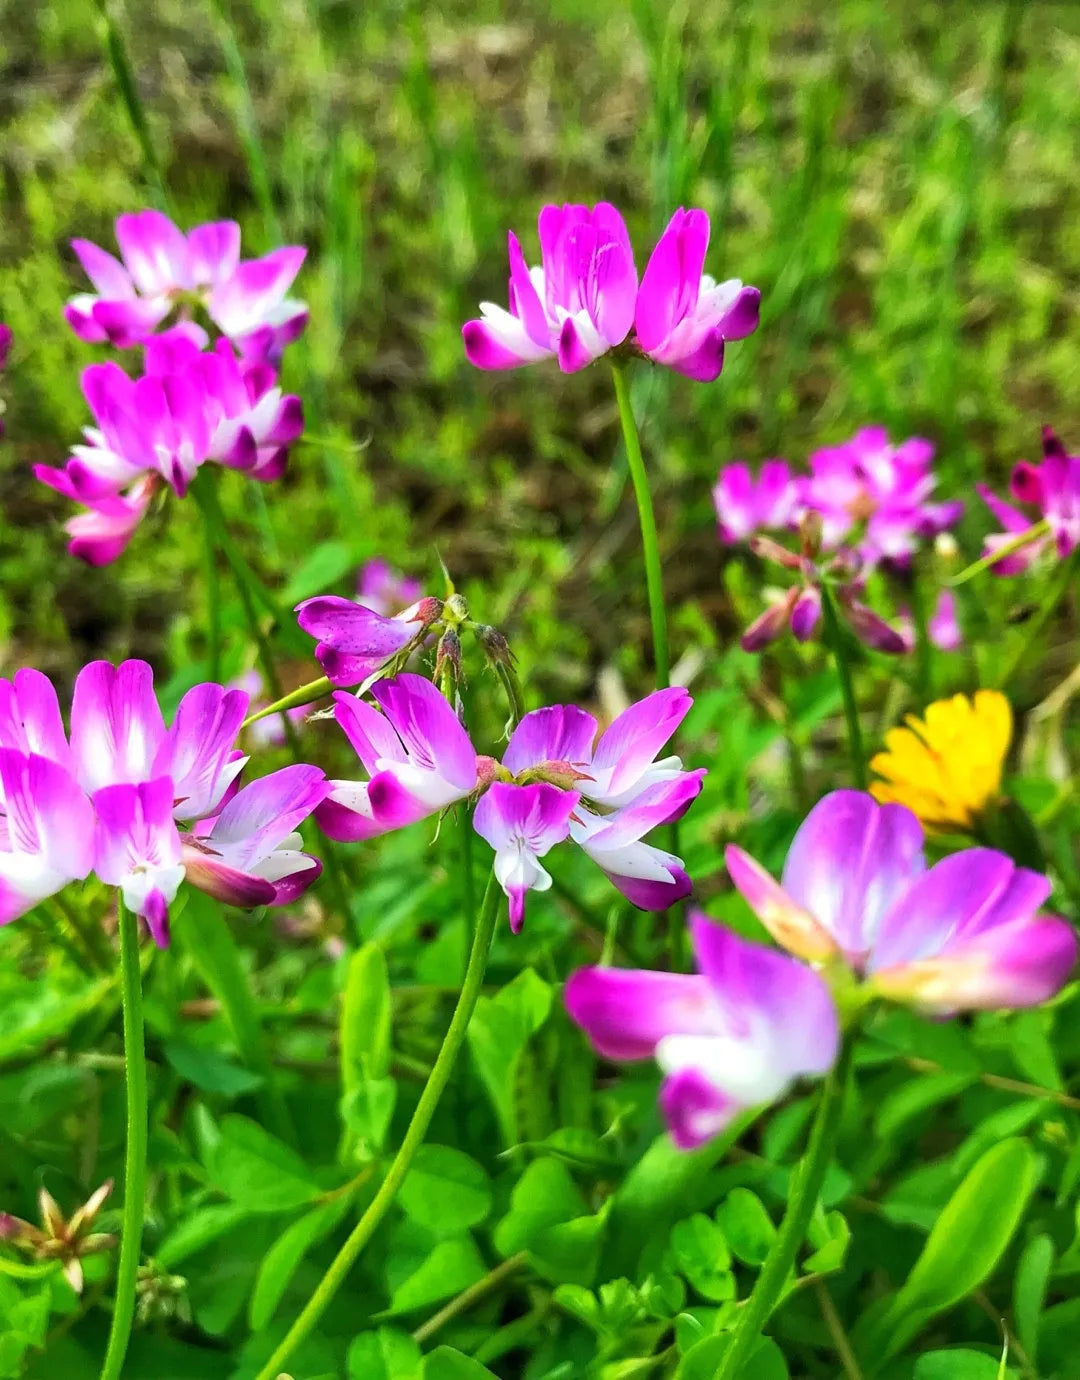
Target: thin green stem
<point>923,647</point>
<point>380,1205</point>
<point>1007,548</point>
<point>647,518</point>
<point>493,1280</point>
<point>116,48</point>
<point>213,603</point>
<point>515,696</point>
<point>834,636</point>
<point>303,694</point>
<point>1036,626</point>
<point>802,1197</point>
<point>135,1157</point>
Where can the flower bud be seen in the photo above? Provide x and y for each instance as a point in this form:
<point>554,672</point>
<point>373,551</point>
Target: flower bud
<point>426,611</point>
<point>456,610</point>
<point>496,648</point>
<point>448,656</point>
<point>810,530</point>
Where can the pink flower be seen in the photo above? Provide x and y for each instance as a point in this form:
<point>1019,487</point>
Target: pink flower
<point>682,316</point>
<point>110,798</point>
<point>942,626</point>
<point>354,641</point>
<point>965,934</point>
<point>745,505</point>
<point>1054,489</point>
<point>578,305</point>
<point>522,824</point>
<point>733,1036</point>
<point>869,480</point>
<point>160,266</point>
<point>417,756</point>
<point>385,590</point>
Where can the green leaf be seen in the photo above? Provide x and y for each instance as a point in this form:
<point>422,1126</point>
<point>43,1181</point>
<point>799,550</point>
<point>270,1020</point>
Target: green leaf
<point>1029,1291</point>
<point>366,1018</point>
<point>547,1219</point>
<point>283,1258</point>
<point>323,566</point>
<point>444,1363</point>
<point>967,1241</point>
<point>36,1012</point>
<point>914,1097</point>
<point>384,1355</point>
<point>499,1031</point>
<point>367,1110</point>
<point>197,1231</point>
<point>701,1362</point>
<point>445,1190</point>
<point>702,1255</point>
<point>210,1071</point>
<point>959,1364</point>
<point>748,1229</point>
<point>259,1172</point>
<point>830,1233</point>
<point>451,1267</point>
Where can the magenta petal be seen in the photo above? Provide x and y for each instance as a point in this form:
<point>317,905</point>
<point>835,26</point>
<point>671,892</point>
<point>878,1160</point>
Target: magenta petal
<point>353,641</point>
<point>806,614</point>
<point>694,1108</point>
<point>870,628</point>
<point>484,348</point>
<point>851,859</point>
<point>768,626</point>
<point>108,275</point>
<point>116,724</point>
<point>625,1013</point>
<point>741,318</point>
<point>704,363</point>
<point>793,927</point>
<point>345,824</point>
<point>629,745</point>
<point>558,733</point>
<point>197,752</point>
<point>155,912</point>
<point>227,884</point>
<point>429,729</point>
<point>575,351</point>
<point>652,895</point>
<point>30,717</point>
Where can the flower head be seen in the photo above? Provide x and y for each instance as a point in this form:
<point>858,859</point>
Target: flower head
<point>683,317</point>
<point>1053,489</point>
<point>67,1240</point>
<point>577,305</point>
<point>161,268</point>
<point>745,504</point>
<point>946,767</point>
<point>965,934</point>
<point>734,1035</point>
<point>522,824</point>
<point>113,797</point>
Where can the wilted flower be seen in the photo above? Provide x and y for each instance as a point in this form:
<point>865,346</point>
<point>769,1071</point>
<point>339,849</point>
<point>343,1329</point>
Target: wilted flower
<point>161,269</point>
<point>577,305</point>
<point>745,504</point>
<point>1054,489</point>
<point>965,934</point>
<point>733,1036</point>
<point>65,1240</point>
<point>683,317</point>
<point>800,606</point>
<point>946,767</point>
<point>110,800</point>
<point>354,641</point>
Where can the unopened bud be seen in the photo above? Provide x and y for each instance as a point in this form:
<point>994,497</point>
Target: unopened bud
<point>810,530</point>
<point>496,648</point>
<point>489,770</point>
<point>770,550</point>
<point>563,774</point>
<point>456,610</point>
<point>946,547</point>
<point>426,611</point>
<point>448,655</point>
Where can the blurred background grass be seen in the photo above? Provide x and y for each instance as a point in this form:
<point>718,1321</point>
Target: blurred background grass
<point>900,180</point>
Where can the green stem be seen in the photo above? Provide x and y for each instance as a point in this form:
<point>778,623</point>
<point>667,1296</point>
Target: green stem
<point>1007,548</point>
<point>380,1205</point>
<point>834,636</point>
<point>647,518</point>
<point>129,94</point>
<point>803,1195</point>
<point>1035,627</point>
<point>515,696</point>
<point>923,649</point>
<point>135,1157</point>
<point>303,694</point>
<point>213,604</point>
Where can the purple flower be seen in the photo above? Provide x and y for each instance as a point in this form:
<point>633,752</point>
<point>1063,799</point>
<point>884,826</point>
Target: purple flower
<point>800,606</point>
<point>160,267</point>
<point>382,588</point>
<point>869,480</point>
<point>578,305</point>
<point>1054,489</point>
<point>110,799</point>
<point>522,824</point>
<point>354,642</point>
<point>682,316</point>
<point>733,1036</point>
<point>965,934</point>
<point>745,505</point>
<point>942,626</point>
<point>417,756</point>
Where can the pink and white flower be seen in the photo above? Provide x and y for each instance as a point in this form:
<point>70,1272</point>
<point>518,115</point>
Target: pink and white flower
<point>682,316</point>
<point>965,934</point>
<point>578,305</point>
<point>418,758</point>
<point>733,1036</point>
<point>1053,488</point>
<point>110,798</point>
<point>522,824</point>
<point>745,504</point>
<point>160,268</point>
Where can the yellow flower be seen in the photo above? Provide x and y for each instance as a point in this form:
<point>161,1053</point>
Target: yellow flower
<point>946,767</point>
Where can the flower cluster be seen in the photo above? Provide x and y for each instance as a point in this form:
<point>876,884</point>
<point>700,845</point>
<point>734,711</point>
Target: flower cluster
<point>858,903</point>
<point>1053,489</point>
<point>556,781</point>
<point>139,804</point>
<point>585,300</point>
<point>194,402</point>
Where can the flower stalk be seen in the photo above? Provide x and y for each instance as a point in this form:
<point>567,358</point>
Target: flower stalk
<point>835,638</point>
<point>380,1205</point>
<point>135,1154</point>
